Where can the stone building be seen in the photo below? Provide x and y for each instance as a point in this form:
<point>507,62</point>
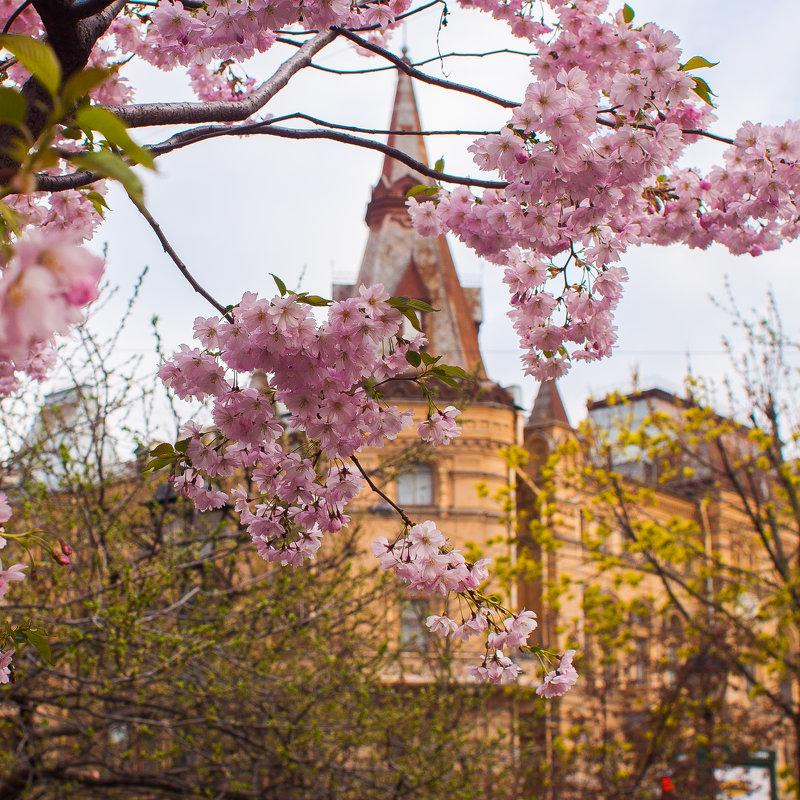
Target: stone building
<point>567,749</point>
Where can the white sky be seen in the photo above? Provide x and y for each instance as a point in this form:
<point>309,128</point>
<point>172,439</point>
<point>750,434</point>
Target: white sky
<point>237,210</point>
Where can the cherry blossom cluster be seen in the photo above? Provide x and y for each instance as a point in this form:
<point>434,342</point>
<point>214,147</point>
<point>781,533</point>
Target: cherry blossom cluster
<point>313,402</point>
<point>560,680</point>
<point>588,158</point>
<point>588,154</point>
<point>44,289</point>
<point>423,559</point>
<point>318,381</point>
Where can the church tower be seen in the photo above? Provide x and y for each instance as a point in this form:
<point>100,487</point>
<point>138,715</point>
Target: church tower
<point>409,264</point>
<point>455,485</point>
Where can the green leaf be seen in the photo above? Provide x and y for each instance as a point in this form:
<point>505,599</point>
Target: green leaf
<point>439,165</point>
<point>98,201</point>
<point>182,445</point>
<point>158,463</point>
<point>110,165</point>
<point>411,316</point>
<point>703,91</point>
<point>37,639</point>
<point>627,13</point>
<point>456,372</point>
<point>427,359</point>
<point>312,300</point>
<point>80,84</point>
<point>409,302</point>
<point>697,62</point>
<point>279,283</point>
<point>162,450</point>
<point>37,57</point>
<point>95,118</point>
<point>12,106</point>
<point>452,382</point>
<point>420,188</point>
<point>413,358</point>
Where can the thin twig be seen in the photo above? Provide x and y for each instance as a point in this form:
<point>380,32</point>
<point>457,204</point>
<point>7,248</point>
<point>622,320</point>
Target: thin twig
<point>372,485</point>
<point>10,20</point>
<point>421,76</point>
<point>369,70</point>
<point>184,270</point>
<point>375,131</point>
<point>687,131</point>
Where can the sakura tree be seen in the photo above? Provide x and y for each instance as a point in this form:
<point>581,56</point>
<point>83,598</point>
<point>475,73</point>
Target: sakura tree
<point>584,169</point>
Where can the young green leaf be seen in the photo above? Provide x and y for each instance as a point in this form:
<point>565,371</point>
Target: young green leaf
<point>439,165</point>
<point>411,316</point>
<point>312,300</point>
<point>413,358</point>
<point>627,13</point>
<point>697,62</point>
<point>12,106</point>
<point>37,638</point>
<point>95,118</point>
<point>80,84</point>
<point>279,283</point>
<point>98,201</point>
<point>420,188</point>
<point>37,57</point>
<point>703,90</point>
<point>163,450</point>
<point>112,166</point>
<point>409,302</point>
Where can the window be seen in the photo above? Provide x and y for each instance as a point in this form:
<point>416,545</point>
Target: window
<point>415,487</point>
<point>413,632</point>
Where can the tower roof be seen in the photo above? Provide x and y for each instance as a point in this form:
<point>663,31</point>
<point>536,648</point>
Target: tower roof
<point>409,264</point>
<point>548,408</point>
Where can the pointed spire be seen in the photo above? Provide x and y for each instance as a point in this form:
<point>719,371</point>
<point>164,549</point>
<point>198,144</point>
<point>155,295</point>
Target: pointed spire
<point>405,262</point>
<point>548,408</point>
<point>389,196</point>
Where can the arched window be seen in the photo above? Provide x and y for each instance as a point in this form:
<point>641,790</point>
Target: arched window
<point>415,486</point>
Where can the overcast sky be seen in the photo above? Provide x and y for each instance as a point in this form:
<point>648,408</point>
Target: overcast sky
<point>237,210</point>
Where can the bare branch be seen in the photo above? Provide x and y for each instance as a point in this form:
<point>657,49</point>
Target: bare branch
<point>375,131</point>
<point>687,131</point>
<point>266,128</point>
<point>184,270</point>
<point>421,76</point>
<point>83,9</point>
<point>422,63</point>
<point>148,114</point>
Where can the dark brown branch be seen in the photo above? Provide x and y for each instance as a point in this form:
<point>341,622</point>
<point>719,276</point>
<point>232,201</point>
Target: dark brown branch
<point>76,180</point>
<point>421,76</point>
<point>17,12</point>
<point>88,8</point>
<point>148,114</point>
<point>375,488</point>
<point>266,128</point>
<point>368,28</point>
<point>184,270</point>
<point>374,131</point>
<point>688,131</point>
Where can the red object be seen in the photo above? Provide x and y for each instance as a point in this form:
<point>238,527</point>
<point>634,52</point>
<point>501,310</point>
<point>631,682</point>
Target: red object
<point>667,785</point>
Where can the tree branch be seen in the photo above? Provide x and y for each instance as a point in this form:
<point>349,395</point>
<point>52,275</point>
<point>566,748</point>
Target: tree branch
<point>266,128</point>
<point>421,76</point>
<point>149,114</point>
<point>375,488</point>
<point>375,131</point>
<point>184,270</point>
<point>88,8</point>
